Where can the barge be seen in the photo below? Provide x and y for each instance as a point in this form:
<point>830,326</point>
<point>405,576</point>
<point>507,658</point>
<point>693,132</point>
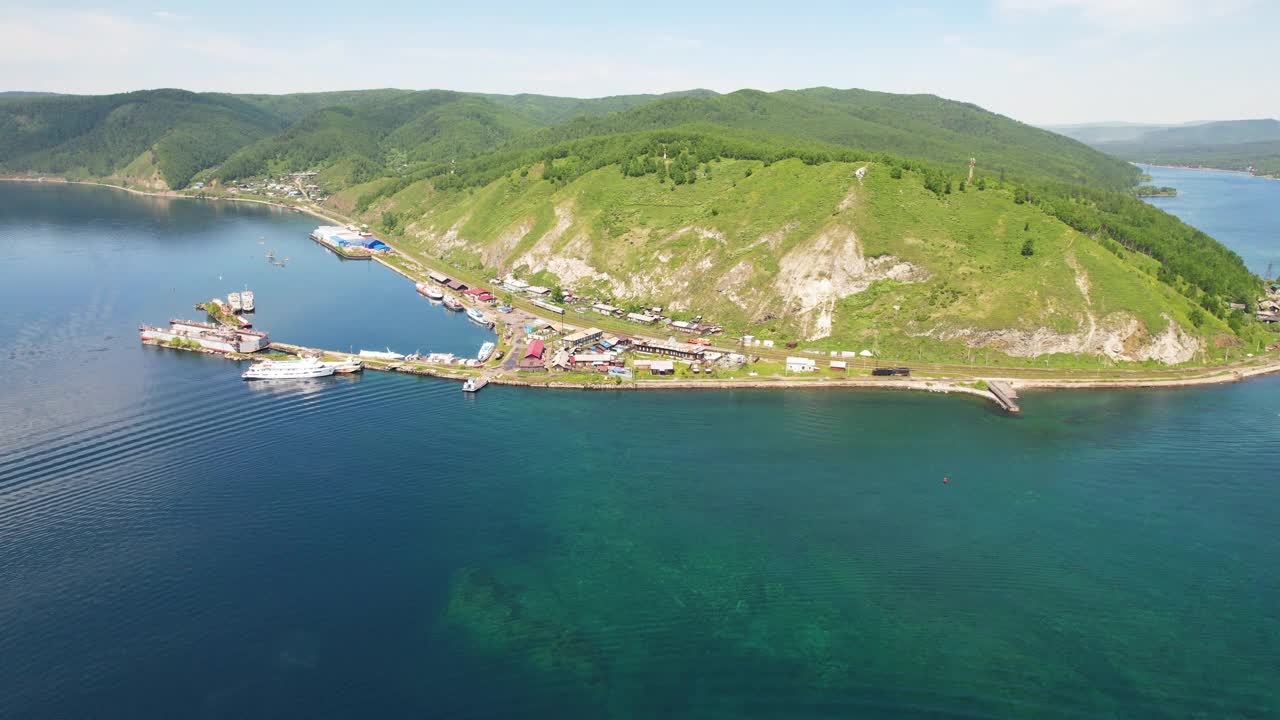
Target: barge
<point>206,336</point>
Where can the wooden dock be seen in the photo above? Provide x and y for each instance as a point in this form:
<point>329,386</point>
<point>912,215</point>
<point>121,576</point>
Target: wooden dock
<point>1005,396</point>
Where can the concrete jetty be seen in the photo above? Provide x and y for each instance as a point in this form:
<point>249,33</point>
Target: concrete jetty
<point>1004,395</point>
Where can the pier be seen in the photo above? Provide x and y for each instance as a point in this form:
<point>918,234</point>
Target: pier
<point>1004,395</point>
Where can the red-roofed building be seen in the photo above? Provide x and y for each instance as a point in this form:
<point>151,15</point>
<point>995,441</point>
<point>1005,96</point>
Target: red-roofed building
<point>476,291</point>
<point>534,349</point>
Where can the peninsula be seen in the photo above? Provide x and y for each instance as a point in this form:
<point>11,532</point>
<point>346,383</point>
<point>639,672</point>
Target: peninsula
<point>816,223</point>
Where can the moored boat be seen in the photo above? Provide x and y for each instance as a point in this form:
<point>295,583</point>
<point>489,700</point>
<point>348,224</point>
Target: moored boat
<point>429,291</point>
<point>345,367</point>
<point>474,384</point>
<point>476,316</point>
<point>453,303</point>
<point>233,300</point>
<point>288,370</point>
<point>246,300</point>
<point>485,351</point>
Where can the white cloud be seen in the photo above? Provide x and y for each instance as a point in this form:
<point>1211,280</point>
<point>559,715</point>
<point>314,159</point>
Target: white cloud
<point>1126,15</point>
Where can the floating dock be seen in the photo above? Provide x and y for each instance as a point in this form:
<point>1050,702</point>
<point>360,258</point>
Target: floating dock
<point>1004,395</point>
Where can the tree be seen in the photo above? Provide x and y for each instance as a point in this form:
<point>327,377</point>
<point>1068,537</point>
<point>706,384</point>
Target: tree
<point>1196,316</point>
<point>982,184</point>
<point>1028,247</point>
<point>389,220</point>
<point>896,173</point>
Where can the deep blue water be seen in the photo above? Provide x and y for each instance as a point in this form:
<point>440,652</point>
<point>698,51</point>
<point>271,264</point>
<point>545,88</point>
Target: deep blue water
<point>1238,209</point>
<point>175,542</point>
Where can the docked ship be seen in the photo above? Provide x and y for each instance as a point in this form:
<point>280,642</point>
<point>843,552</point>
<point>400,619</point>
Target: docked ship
<point>206,336</point>
<point>485,351</point>
<point>453,303</point>
<point>430,292</point>
<point>474,384</point>
<point>348,366</point>
<point>476,316</point>
<point>233,300</point>
<point>288,370</point>
<point>246,300</point>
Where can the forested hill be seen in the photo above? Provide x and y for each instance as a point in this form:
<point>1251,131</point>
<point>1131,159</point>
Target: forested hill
<point>1230,144</point>
<point>362,134</point>
<point>916,126</point>
<point>156,137</point>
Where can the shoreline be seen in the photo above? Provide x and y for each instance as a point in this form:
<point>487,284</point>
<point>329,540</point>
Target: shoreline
<point>1209,375</point>
<point>1199,168</point>
<point>175,195</point>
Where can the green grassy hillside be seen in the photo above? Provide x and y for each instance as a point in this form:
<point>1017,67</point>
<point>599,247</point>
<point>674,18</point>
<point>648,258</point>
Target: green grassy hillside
<point>796,251</point>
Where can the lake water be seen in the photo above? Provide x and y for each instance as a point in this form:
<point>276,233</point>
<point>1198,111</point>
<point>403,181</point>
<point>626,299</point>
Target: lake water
<point>176,543</point>
<point>1238,209</point>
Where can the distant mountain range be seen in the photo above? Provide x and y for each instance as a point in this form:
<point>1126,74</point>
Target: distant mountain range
<point>1230,144</point>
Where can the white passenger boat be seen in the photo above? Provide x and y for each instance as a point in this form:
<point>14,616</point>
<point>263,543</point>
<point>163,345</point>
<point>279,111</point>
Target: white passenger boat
<point>246,300</point>
<point>474,384</point>
<point>288,370</point>
<point>233,299</point>
<point>348,366</point>
<point>476,316</point>
<point>485,351</point>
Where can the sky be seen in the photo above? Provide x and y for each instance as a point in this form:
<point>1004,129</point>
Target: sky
<point>1040,61</point>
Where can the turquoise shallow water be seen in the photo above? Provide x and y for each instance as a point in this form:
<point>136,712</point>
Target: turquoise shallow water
<point>177,543</point>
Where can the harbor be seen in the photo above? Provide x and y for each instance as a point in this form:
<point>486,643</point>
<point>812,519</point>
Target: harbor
<point>526,342</point>
<point>531,351</point>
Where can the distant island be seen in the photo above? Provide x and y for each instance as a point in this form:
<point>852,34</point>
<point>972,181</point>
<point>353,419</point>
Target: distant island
<point>828,220</point>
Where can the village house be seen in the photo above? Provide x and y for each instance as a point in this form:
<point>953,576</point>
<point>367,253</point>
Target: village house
<point>535,349</point>
<point>683,351</point>
<point>582,337</point>
<point>662,367</point>
<point>801,365</point>
<point>584,360</point>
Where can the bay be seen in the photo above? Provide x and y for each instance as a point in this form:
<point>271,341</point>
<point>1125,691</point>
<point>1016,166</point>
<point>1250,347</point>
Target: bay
<point>175,542</point>
<point>1240,210</point>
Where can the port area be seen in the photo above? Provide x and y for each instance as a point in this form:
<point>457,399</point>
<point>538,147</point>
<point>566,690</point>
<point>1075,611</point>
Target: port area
<point>498,373</point>
<point>349,242</point>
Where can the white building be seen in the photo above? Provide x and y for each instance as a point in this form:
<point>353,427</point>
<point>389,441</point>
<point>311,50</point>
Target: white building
<point>801,365</point>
